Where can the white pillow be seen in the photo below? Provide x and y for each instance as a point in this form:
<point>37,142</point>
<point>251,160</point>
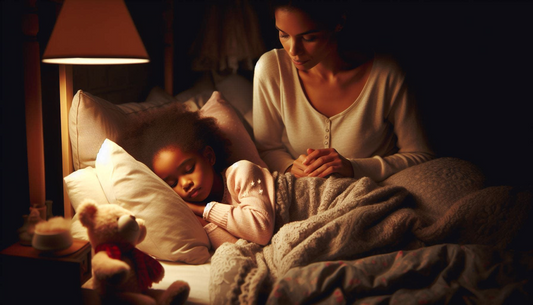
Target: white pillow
<point>174,232</point>
<point>93,119</point>
<point>80,185</point>
<point>83,184</point>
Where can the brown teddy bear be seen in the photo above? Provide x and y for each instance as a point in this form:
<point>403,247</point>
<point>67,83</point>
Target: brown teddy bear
<point>122,274</point>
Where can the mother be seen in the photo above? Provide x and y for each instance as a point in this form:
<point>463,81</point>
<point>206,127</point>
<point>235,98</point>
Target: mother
<point>321,109</point>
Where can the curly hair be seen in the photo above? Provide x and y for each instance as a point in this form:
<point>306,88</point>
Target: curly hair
<point>176,127</point>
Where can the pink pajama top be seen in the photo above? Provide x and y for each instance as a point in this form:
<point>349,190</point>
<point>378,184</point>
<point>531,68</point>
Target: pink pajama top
<point>247,207</point>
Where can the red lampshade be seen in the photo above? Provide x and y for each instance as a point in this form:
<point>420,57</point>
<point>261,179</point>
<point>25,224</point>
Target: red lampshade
<point>95,32</point>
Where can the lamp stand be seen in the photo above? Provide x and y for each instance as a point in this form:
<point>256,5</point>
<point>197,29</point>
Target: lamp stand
<point>65,98</point>
<point>33,107</point>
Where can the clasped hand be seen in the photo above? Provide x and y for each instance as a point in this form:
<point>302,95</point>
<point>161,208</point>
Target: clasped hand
<point>321,163</point>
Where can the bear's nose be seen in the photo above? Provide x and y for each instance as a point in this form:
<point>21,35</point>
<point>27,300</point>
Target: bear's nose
<point>127,223</point>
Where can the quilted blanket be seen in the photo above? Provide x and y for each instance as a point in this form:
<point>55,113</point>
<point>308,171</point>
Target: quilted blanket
<point>341,219</point>
<point>439,274</point>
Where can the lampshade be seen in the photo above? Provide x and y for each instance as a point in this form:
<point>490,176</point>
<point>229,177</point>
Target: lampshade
<point>95,32</point>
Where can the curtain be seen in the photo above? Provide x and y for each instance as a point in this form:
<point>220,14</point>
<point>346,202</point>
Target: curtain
<point>229,39</point>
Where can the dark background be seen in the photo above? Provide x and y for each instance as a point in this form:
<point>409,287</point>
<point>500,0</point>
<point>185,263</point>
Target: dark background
<point>468,62</point>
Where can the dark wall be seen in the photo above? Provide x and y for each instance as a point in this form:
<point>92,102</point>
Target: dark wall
<point>469,65</point>
<point>14,169</point>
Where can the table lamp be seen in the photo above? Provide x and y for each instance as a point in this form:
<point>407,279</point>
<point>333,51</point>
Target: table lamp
<point>89,32</point>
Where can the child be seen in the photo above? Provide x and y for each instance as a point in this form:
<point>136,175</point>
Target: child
<point>189,153</point>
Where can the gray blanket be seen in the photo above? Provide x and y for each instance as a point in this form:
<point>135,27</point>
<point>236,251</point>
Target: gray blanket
<point>333,219</point>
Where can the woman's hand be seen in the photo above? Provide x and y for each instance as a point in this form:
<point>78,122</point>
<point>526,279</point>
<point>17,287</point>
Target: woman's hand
<point>324,162</point>
<point>297,168</point>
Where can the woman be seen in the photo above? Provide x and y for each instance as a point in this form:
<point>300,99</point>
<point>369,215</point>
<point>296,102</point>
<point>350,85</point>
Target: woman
<point>321,110</point>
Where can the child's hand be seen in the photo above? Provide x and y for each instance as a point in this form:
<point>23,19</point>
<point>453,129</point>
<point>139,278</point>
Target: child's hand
<point>196,208</point>
<point>201,220</point>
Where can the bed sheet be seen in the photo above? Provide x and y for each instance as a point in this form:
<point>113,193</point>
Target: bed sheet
<point>196,275</point>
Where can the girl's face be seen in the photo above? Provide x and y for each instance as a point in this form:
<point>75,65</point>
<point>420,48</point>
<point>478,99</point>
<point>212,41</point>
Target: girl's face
<point>305,41</point>
<point>191,175</point>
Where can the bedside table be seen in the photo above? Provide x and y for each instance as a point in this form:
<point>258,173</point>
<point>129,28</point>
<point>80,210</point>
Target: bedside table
<point>29,275</point>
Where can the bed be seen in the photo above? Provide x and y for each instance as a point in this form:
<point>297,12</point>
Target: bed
<point>434,233</point>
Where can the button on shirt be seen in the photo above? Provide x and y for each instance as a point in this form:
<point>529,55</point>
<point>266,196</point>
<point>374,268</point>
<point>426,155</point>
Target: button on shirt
<point>327,134</point>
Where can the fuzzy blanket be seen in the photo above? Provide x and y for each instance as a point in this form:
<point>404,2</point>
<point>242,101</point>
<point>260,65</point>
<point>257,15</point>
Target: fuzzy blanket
<point>317,220</point>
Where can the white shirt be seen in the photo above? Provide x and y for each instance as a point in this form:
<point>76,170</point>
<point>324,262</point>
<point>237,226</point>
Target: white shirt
<point>380,133</point>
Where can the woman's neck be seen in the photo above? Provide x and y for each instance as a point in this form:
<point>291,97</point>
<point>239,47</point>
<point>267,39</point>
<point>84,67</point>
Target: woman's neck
<point>337,64</point>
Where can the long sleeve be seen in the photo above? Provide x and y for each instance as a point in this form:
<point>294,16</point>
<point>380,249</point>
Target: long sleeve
<point>218,236</point>
<point>401,114</point>
<point>268,123</point>
<point>249,214</point>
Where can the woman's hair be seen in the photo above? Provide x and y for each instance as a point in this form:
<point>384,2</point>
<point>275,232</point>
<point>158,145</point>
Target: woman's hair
<point>330,13</point>
<point>327,13</point>
<point>179,128</point>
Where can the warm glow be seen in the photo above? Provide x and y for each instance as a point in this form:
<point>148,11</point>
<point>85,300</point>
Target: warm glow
<point>95,61</point>
<point>89,32</point>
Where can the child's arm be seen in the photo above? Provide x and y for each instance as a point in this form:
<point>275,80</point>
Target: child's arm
<point>250,215</point>
<point>218,236</point>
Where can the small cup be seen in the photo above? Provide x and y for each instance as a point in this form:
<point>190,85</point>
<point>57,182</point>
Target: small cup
<point>51,241</point>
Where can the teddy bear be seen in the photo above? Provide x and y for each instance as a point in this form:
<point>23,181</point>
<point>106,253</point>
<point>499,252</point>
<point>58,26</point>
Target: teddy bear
<point>122,274</point>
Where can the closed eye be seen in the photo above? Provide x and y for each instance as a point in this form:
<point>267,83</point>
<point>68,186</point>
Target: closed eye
<point>172,183</point>
<point>305,35</point>
<point>189,169</point>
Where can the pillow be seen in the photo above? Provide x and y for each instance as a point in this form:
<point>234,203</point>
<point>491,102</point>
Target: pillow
<point>242,148</point>
<point>174,232</point>
<point>239,93</point>
<point>93,119</point>
<point>80,185</point>
<point>83,184</point>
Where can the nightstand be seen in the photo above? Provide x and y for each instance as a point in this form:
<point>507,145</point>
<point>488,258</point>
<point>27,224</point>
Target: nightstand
<point>29,275</point>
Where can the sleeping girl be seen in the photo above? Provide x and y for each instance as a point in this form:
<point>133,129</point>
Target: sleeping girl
<point>189,153</point>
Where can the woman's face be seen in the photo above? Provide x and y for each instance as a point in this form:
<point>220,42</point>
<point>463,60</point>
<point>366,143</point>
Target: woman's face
<point>306,42</point>
<point>191,175</point>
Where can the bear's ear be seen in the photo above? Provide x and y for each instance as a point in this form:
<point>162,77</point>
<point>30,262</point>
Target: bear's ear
<point>86,212</point>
